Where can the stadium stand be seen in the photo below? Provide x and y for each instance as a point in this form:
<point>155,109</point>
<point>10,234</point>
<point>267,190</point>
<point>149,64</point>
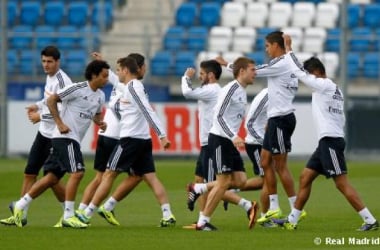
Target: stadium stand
<point>209,14</point>
<point>54,13</point>
<point>279,14</point>
<point>233,14</point>
<point>256,14</point>
<point>30,13</point>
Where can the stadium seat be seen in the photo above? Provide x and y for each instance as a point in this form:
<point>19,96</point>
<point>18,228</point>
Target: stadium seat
<point>183,60</point>
<point>327,15</point>
<point>303,14</point>
<point>353,64</point>
<point>12,61</point>
<point>244,39</point>
<point>314,39</point>
<point>371,65</point>
<point>174,38</point>
<point>296,34</point>
<point>360,39</point>
<point>75,61</point>
<point>45,36</point>
<point>205,55</point>
<point>258,57</point>
<point>77,13</point>
<point>54,13</point>
<point>279,14</point>
<point>353,15</point>
<point>161,63</point>
<point>303,56</point>
<point>68,37</point>
<point>99,18</point>
<point>232,14</point>
<point>332,43</point>
<point>186,14</point>
<point>256,14</point>
<point>29,61</point>
<point>331,62</point>
<point>371,15</point>
<point>376,43</point>
<point>30,13</point>
<point>260,40</point>
<point>209,14</point>
<point>89,38</point>
<point>220,39</point>
<point>21,37</point>
<point>11,13</point>
<point>197,38</point>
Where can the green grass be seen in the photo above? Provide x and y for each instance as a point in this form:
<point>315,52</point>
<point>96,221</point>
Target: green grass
<point>329,215</point>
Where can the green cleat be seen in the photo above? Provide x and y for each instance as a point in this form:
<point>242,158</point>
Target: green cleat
<point>108,215</point>
<point>302,216</point>
<point>82,217</point>
<point>168,222</point>
<point>284,223</point>
<point>270,214</point>
<point>73,222</point>
<point>369,227</point>
<point>18,216</point>
<point>59,223</point>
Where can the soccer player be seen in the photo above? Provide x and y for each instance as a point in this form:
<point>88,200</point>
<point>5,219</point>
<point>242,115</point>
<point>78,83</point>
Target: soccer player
<point>56,79</point>
<point>81,104</point>
<point>328,158</point>
<point>134,153</point>
<point>223,139</point>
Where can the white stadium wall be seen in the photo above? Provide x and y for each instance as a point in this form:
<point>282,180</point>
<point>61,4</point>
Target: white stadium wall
<point>179,118</point>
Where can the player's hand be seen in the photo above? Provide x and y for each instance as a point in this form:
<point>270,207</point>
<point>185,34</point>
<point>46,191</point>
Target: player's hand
<point>97,56</point>
<point>63,129</point>
<point>287,42</point>
<point>190,72</point>
<point>239,143</point>
<point>34,117</point>
<point>102,126</point>
<point>165,143</point>
<point>221,61</point>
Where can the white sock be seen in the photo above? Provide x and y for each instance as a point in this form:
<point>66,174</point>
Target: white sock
<point>246,204</point>
<point>367,216</point>
<point>200,188</point>
<point>203,220</point>
<point>110,204</point>
<point>90,210</point>
<point>166,212</point>
<point>273,202</point>
<point>69,209</point>
<point>82,206</point>
<point>294,216</point>
<point>23,202</point>
<point>292,200</point>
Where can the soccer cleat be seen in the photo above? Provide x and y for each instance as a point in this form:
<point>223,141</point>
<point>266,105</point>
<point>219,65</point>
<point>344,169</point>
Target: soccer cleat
<point>73,222</point>
<point>108,215</point>
<point>192,196</point>
<point>285,224</point>
<point>369,227</point>
<point>191,226</point>
<point>268,224</point>
<point>168,222</point>
<point>270,214</point>
<point>252,214</point>
<point>18,216</point>
<point>82,217</point>
<point>206,227</point>
<point>302,216</point>
<point>59,223</point>
<point>11,206</point>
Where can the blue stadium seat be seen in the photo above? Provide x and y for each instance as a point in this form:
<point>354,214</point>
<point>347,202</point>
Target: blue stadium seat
<point>174,38</point>
<point>209,14</point>
<point>353,64</point>
<point>68,37</point>
<point>45,36</point>
<point>75,62</point>
<point>376,44</point>
<point>332,43</point>
<point>371,65</point>
<point>12,61</point>
<point>54,13</point>
<point>29,61</point>
<point>30,13</point>
<point>97,16</point>
<point>77,13</point>
<point>371,16</point>
<point>353,15</point>
<point>183,60</point>
<point>260,40</point>
<point>161,63</point>
<point>90,38</point>
<point>197,38</point>
<point>258,57</point>
<point>360,39</point>
<point>186,14</point>
<point>11,13</point>
<point>22,37</point>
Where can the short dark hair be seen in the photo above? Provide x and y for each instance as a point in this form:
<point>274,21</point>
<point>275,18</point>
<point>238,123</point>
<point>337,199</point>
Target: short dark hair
<point>94,68</point>
<point>314,64</point>
<point>212,66</point>
<point>241,63</point>
<point>51,51</point>
<point>129,63</point>
<point>140,60</point>
<point>276,37</point>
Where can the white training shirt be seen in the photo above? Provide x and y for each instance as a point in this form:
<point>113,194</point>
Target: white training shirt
<point>79,106</point>
<point>207,96</point>
<point>327,102</point>
<point>53,83</point>
<point>137,114</point>
<point>229,110</point>
<point>257,118</point>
